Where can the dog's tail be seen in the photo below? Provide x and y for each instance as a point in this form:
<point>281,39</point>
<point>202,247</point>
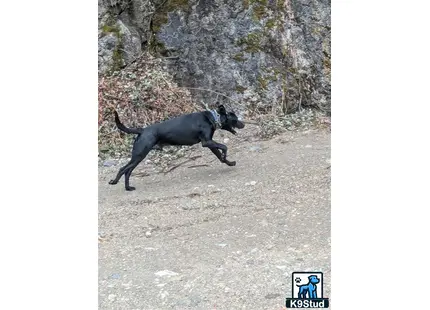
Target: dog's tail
<point>126,129</point>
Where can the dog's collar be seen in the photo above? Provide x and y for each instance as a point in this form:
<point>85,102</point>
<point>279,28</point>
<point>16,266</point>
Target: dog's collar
<point>217,118</point>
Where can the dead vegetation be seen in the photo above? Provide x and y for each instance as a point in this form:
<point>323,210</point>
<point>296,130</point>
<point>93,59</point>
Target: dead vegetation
<point>142,93</point>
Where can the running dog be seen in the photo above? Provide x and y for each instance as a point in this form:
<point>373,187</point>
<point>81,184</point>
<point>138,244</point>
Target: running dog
<point>187,129</point>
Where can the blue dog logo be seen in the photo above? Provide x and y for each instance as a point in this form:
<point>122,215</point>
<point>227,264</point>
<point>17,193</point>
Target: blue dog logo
<point>309,290</point>
<point>309,295</point>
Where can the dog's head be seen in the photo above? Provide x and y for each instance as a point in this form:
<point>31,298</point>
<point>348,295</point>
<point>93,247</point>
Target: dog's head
<point>314,279</point>
<point>229,120</point>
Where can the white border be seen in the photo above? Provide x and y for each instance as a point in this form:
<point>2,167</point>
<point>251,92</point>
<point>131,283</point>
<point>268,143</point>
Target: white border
<point>49,155</point>
<point>380,153</point>
<point>380,164</point>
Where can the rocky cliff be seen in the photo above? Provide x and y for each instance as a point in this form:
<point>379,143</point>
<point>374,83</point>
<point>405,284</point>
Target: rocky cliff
<point>264,54</point>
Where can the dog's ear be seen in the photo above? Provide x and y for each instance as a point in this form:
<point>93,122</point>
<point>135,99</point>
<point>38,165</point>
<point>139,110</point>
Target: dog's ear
<point>221,109</point>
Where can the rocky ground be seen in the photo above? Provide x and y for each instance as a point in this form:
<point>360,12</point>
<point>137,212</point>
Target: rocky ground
<point>202,235</point>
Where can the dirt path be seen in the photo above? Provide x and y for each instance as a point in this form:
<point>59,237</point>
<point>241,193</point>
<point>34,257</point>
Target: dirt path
<point>218,237</point>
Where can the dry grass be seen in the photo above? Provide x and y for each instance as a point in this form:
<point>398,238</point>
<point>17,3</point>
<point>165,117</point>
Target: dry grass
<point>143,93</point>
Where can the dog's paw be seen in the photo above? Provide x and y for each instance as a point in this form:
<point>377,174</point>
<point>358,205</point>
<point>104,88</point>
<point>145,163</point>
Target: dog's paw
<point>231,163</point>
<point>130,188</point>
<point>112,182</point>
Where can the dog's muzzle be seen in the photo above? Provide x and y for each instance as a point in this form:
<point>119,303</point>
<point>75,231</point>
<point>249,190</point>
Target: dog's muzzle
<point>236,124</point>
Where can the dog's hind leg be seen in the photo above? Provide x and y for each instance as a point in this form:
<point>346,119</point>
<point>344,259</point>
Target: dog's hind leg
<point>124,168</point>
<point>219,155</point>
<point>302,291</point>
<point>121,172</point>
<point>130,170</point>
<point>141,147</point>
<point>140,150</point>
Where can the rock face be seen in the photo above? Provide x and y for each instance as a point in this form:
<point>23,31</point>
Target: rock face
<point>124,28</point>
<point>265,54</point>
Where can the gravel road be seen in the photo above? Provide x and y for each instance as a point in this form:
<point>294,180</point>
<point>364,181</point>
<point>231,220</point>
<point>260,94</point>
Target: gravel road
<point>218,237</point>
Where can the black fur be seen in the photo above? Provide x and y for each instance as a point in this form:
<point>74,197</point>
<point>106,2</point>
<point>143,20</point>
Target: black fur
<point>188,129</point>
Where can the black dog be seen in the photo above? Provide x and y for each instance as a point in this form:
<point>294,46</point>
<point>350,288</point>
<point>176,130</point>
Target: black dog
<point>188,129</point>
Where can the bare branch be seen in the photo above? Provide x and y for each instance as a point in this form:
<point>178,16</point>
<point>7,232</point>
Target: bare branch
<point>184,162</point>
<point>195,166</point>
<point>212,91</point>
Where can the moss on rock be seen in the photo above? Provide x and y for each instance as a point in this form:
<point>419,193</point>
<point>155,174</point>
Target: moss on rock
<point>161,15</point>
<point>117,54</point>
<point>240,89</point>
<point>258,8</point>
<point>251,43</point>
<point>239,57</point>
<point>161,18</point>
<point>271,23</point>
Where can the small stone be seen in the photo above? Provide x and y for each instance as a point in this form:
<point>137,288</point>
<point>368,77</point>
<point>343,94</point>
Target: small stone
<point>308,146</point>
<point>211,185</point>
<point>148,234</point>
<point>272,296</point>
<point>226,140</point>
<point>112,297</point>
<point>165,273</point>
<point>253,183</point>
<point>108,163</point>
<point>255,148</point>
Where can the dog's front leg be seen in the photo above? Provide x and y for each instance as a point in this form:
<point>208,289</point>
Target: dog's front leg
<point>313,292</point>
<point>214,145</point>
<point>219,155</point>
